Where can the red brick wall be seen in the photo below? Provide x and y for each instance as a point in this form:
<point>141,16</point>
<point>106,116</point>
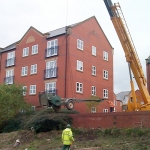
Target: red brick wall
<point>148,76</point>
<point>39,59</point>
<point>90,32</point>
<point>92,35</point>
<point>110,120</point>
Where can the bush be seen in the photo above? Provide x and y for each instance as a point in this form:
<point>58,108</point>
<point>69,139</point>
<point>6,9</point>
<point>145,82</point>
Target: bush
<point>42,121</point>
<point>45,122</point>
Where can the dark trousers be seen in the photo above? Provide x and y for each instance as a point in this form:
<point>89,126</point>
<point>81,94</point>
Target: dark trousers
<point>66,147</point>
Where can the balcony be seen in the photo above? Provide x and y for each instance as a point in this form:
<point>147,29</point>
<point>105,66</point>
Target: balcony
<point>52,51</point>
<point>52,91</point>
<point>50,73</point>
<point>9,80</point>
<point>10,62</point>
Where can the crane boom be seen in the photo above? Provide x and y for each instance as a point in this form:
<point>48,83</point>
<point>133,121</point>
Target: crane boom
<point>125,38</point>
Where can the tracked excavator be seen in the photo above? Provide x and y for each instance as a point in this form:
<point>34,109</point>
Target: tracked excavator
<point>135,103</point>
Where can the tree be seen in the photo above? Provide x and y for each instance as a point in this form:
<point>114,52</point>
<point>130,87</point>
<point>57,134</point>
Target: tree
<point>11,101</point>
<point>93,103</point>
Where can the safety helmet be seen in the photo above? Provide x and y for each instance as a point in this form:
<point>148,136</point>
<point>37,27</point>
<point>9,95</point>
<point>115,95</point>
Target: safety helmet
<point>68,126</point>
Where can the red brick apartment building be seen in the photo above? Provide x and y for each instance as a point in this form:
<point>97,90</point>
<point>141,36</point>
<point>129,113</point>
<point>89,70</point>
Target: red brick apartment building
<point>73,62</point>
<point>148,73</point>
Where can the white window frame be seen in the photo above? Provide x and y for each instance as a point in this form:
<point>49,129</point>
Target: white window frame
<point>105,74</point>
<point>50,44</point>
<point>93,50</point>
<point>93,90</point>
<point>105,55</point>
<point>80,44</point>
<point>93,109</point>
<point>9,73</point>
<point>24,92</point>
<point>105,110</point>
<point>105,93</point>
<point>94,70</point>
<point>24,71</point>
<point>79,87</point>
<point>32,89</point>
<point>10,60</point>
<point>51,65</point>
<point>33,69</point>
<point>79,65</point>
<point>50,86</point>
<point>25,52</point>
<point>33,108</point>
<point>35,49</point>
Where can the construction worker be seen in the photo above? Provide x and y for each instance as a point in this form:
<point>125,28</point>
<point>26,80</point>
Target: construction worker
<point>67,138</point>
<point>111,105</point>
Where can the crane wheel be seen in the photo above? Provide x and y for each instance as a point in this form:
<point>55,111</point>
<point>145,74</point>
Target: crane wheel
<point>70,104</point>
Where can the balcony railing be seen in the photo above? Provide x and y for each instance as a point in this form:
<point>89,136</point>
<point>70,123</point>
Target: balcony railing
<point>52,51</point>
<point>10,62</point>
<point>9,80</point>
<point>50,73</point>
<point>52,91</point>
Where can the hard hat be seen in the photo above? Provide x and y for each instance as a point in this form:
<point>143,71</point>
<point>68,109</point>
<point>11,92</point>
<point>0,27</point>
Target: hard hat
<point>68,126</point>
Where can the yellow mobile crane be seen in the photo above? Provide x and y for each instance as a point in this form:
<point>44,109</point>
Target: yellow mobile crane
<point>118,20</point>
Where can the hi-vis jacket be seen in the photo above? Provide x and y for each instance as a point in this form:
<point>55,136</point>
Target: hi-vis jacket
<point>67,136</point>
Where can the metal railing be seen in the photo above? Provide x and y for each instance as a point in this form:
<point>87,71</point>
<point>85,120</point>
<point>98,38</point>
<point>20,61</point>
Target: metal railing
<point>50,73</point>
<point>52,51</point>
<point>9,80</point>
<point>10,62</point>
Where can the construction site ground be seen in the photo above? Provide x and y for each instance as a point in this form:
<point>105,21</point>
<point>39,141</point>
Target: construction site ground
<point>84,140</point>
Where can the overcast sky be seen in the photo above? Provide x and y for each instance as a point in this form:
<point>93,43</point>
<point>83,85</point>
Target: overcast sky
<point>45,15</point>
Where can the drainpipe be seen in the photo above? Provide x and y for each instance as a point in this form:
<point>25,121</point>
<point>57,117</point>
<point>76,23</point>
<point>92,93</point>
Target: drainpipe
<point>65,92</point>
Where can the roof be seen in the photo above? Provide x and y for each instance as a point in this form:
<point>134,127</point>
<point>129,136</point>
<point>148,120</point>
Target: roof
<point>57,32</point>
<point>51,34</point>
<point>121,95</point>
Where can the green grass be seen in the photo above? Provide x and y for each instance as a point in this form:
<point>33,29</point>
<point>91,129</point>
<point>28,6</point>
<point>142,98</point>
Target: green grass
<point>110,139</point>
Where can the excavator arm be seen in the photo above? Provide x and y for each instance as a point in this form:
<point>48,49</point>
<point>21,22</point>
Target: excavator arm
<point>132,58</point>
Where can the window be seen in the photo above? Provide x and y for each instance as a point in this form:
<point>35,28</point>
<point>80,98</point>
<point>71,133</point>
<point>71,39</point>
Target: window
<point>24,71</point>
<point>93,90</point>
<point>11,58</point>
<point>51,68</point>
<point>79,87</point>
<point>50,87</point>
<point>105,55</point>
<point>33,69</point>
<point>105,93</point>
<point>25,52</point>
<point>105,74</point>
<point>93,109</point>
<point>94,70</point>
<point>34,49</point>
<point>105,110</point>
<point>93,50</point>
<point>33,108</point>
<point>52,48</point>
<point>24,90</point>
<point>80,44</point>
<point>32,89</point>
<point>9,76</point>
<point>79,65</point>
